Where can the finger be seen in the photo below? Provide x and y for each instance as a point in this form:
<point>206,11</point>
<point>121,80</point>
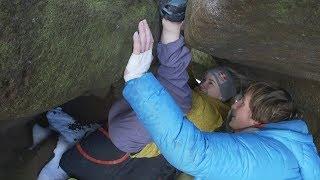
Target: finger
<point>136,43</point>
<point>149,35</point>
<point>142,34</point>
<point>149,42</point>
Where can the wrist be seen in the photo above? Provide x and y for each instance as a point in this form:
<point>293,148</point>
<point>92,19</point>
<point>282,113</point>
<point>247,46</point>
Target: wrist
<point>173,27</point>
<point>138,64</point>
<point>169,36</point>
<point>170,31</point>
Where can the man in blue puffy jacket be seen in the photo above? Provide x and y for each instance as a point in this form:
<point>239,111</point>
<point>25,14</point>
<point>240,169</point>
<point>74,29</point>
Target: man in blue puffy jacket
<point>269,141</point>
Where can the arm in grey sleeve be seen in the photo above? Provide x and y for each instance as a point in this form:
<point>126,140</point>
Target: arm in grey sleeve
<point>174,59</point>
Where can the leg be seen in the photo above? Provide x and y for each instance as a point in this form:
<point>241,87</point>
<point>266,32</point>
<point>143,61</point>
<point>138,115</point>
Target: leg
<point>70,132</point>
<point>67,126</point>
<point>52,170</point>
<point>96,154</point>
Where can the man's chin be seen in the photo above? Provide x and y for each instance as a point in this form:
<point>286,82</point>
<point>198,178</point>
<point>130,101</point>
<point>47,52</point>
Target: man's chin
<point>230,124</point>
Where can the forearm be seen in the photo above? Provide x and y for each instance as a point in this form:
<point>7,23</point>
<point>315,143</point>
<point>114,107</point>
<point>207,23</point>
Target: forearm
<point>172,73</point>
<point>170,31</point>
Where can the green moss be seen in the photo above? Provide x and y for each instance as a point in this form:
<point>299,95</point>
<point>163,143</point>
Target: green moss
<point>294,11</point>
<point>202,58</point>
<point>6,50</point>
<point>283,7</point>
<point>201,62</point>
<point>76,46</point>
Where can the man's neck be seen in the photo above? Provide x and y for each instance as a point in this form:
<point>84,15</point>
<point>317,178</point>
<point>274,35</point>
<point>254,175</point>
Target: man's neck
<point>249,129</point>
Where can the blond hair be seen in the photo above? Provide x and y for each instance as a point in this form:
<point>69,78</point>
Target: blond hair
<point>270,103</point>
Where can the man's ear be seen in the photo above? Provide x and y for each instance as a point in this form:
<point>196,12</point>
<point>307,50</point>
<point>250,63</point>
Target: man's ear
<point>254,122</point>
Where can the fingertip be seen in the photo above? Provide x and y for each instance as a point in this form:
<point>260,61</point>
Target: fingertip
<point>135,35</point>
<point>141,23</point>
<point>146,23</point>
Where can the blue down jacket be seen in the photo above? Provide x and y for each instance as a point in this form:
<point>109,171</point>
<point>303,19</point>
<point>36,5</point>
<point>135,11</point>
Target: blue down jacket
<point>283,150</point>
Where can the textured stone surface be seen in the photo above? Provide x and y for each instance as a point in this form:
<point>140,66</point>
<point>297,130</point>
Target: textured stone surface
<point>200,63</point>
<point>279,35</point>
<point>52,51</point>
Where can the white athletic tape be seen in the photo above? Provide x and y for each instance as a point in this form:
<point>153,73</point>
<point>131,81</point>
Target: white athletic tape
<point>138,65</point>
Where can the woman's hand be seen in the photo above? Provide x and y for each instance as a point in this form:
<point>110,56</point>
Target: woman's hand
<point>141,57</point>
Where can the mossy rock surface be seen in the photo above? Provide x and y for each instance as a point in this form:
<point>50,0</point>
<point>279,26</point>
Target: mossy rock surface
<point>278,35</point>
<point>52,51</point>
<point>201,63</point>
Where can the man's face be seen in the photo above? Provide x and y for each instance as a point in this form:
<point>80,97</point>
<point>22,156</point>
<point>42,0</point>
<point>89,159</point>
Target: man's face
<point>241,114</point>
<point>210,86</point>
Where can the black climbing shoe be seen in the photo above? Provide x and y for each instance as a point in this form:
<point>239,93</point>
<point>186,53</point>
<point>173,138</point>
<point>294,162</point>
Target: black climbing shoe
<point>173,10</point>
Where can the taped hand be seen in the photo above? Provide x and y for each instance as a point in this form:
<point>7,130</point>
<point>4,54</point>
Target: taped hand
<point>141,58</point>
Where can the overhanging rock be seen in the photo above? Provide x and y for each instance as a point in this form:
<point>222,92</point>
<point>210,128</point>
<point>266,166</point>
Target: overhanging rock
<point>278,35</point>
<point>55,50</point>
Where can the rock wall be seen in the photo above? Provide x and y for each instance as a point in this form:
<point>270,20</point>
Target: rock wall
<point>278,35</point>
<point>52,51</point>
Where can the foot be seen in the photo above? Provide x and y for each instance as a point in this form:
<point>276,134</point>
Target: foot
<point>52,170</point>
<point>39,134</point>
<point>173,10</point>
